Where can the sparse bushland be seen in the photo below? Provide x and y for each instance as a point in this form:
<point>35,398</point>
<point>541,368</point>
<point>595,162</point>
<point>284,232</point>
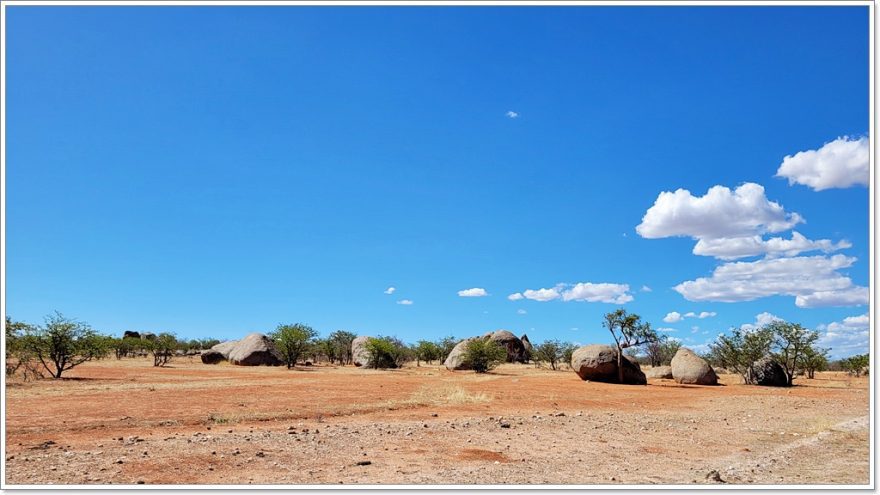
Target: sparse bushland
<point>628,332</point>
<point>446,344</point>
<point>814,359</point>
<point>661,351</point>
<point>62,344</point>
<point>293,341</point>
<point>426,351</point>
<point>387,352</point>
<point>548,353</point>
<point>856,365</point>
<point>483,355</point>
<point>162,348</point>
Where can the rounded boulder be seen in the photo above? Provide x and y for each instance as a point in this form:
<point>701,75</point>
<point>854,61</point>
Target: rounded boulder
<point>255,350</point>
<point>598,363</point>
<point>688,368</point>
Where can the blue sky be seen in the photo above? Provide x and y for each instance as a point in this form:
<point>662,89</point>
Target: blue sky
<point>216,171</point>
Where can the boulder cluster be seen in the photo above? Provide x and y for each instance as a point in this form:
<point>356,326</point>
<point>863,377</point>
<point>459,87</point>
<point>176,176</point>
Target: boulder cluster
<point>518,349</point>
<point>254,350</point>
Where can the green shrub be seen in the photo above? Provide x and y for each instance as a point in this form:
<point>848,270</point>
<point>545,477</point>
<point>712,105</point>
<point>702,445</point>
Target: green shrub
<point>483,355</point>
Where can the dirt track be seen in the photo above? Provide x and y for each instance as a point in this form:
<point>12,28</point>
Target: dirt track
<point>125,422</point>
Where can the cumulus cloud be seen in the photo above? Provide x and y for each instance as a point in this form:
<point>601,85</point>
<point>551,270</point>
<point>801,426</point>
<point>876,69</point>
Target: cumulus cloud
<point>607,293</point>
<point>390,290</point>
<point>745,211</point>
<point>675,316</point>
<point>475,292</point>
<point>511,114</point>
<point>847,337</point>
<point>672,317</point>
<point>853,296</point>
<point>645,288</point>
<point>814,281</point>
<point>761,320</point>
<point>729,248</point>
<point>841,163</point>
<point>583,292</point>
<point>405,302</point>
<point>542,295</point>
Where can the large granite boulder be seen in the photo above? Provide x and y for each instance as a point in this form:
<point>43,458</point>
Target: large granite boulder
<point>516,351</point>
<point>255,350</point>
<point>212,357</point>
<point>689,368</point>
<point>769,373</point>
<point>527,344</point>
<point>225,347</point>
<point>660,372</point>
<point>455,360</point>
<point>359,354</point>
<point>130,334</point>
<point>598,363</point>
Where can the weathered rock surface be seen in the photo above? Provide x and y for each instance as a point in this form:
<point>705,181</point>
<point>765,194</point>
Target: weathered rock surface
<point>660,372</point>
<point>688,368</point>
<point>455,360</point>
<point>769,373</point>
<point>255,350</point>
<point>225,347</point>
<point>212,357</point>
<point>516,351</point>
<point>129,334</point>
<point>359,354</point>
<point>598,363</point>
<point>527,344</point>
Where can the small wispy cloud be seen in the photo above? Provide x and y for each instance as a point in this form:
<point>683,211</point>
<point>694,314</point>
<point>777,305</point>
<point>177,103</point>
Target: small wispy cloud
<point>516,296</point>
<point>521,311</point>
<point>474,292</point>
<point>405,302</point>
<point>511,114</point>
<point>645,288</point>
<point>390,290</point>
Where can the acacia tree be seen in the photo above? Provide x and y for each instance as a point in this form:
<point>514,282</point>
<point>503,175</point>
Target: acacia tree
<point>661,351</point>
<point>814,359</point>
<point>63,343</point>
<point>341,341</point>
<point>482,355</point>
<point>426,351</point>
<point>567,351</point>
<point>162,348</point>
<point>446,344</point>
<point>549,351</point>
<point>790,340</point>
<point>293,341</point>
<point>741,349</point>
<point>628,331</point>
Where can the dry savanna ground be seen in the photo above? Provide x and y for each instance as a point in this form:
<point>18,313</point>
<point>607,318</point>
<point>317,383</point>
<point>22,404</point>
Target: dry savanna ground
<point>125,422</point>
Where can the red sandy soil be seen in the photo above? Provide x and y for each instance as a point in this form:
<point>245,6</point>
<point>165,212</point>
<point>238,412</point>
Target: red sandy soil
<point>126,422</point>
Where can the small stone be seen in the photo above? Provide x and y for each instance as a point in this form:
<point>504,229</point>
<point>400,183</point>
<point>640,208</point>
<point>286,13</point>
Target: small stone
<point>364,463</point>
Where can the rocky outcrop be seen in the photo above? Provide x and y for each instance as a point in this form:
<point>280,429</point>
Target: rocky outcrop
<point>516,351</point>
<point>688,368</point>
<point>660,372</point>
<point>769,373</point>
<point>129,334</point>
<point>212,357</point>
<point>255,350</point>
<point>359,354</point>
<point>527,344</point>
<point>455,360</point>
<point>598,363</point>
<point>225,347</point>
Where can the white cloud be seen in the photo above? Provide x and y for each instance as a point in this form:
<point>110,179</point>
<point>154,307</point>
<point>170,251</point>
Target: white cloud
<point>841,163</point>
<point>672,317</point>
<point>853,296</point>
<point>405,302</point>
<point>745,211</point>
<point>475,292</point>
<point>390,290</point>
<point>645,288</point>
<point>521,311</point>
<point>666,329</point>
<point>675,316</point>
<point>695,329</point>
<point>848,337</point>
<point>603,292</point>
<point>542,295</point>
<point>761,320</point>
<point>583,292</point>
<point>511,114</point>
<point>729,248</point>
<point>814,281</point>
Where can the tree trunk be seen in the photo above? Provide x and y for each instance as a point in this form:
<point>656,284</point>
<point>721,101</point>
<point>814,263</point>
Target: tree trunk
<point>619,365</point>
